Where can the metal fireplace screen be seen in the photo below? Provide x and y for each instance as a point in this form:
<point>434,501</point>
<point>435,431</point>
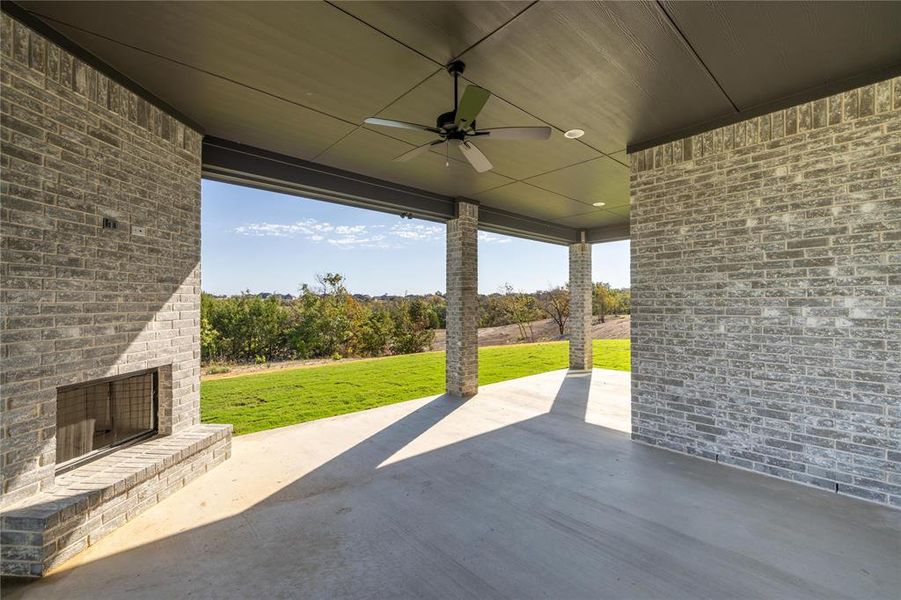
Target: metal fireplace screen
<point>94,418</point>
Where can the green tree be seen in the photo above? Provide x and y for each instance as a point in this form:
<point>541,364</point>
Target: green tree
<point>376,333</point>
<point>521,309</point>
<point>329,319</point>
<point>492,312</point>
<point>209,341</point>
<point>415,322</point>
<point>623,303</point>
<point>246,325</point>
<point>604,300</point>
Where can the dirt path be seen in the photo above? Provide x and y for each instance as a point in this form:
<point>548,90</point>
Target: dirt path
<point>208,373</point>
<point>543,331</point>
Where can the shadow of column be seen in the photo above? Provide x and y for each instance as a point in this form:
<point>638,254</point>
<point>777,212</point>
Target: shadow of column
<point>360,462</point>
<point>572,397</point>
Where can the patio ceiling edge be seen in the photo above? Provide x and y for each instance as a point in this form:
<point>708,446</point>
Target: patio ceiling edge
<point>240,164</point>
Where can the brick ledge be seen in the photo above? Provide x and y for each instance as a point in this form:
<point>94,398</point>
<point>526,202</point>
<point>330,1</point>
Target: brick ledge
<point>86,503</point>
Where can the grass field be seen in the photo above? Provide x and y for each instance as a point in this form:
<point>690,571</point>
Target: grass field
<point>266,400</point>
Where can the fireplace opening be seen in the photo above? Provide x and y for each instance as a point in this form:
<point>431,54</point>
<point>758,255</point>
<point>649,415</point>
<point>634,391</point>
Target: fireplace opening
<point>95,418</point>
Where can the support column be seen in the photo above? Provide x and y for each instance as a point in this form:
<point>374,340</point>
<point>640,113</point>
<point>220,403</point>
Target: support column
<point>462,375</point>
<point>580,289</point>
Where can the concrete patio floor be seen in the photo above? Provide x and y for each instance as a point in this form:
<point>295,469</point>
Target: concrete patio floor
<point>532,489</point>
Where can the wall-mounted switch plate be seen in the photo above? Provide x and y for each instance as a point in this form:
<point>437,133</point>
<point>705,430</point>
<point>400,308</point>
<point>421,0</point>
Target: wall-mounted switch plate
<point>135,230</point>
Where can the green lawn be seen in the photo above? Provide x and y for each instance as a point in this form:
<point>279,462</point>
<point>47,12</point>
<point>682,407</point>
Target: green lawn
<point>263,401</point>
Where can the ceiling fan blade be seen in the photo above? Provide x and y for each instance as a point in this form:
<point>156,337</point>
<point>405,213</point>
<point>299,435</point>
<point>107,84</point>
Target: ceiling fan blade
<point>474,98</point>
<point>475,157</point>
<point>399,124</point>
<point>417,151</point>
<point>516,133</point>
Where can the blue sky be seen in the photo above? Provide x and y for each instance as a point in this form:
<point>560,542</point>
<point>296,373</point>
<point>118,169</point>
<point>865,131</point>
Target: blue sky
<point>268,242</point>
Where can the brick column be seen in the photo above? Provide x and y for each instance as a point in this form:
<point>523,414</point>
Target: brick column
<point>580,289</point>
<point>463,301</point>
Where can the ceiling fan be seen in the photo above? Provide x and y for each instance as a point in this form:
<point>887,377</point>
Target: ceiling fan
<point>459,125</point>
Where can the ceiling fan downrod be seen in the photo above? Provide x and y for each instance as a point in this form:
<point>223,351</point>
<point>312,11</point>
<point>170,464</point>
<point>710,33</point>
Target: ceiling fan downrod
<point>456,69</point>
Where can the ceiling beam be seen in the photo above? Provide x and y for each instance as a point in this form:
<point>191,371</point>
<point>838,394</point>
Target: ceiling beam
<point>245,165</point>
<point>239,164</point>
<point>610,233</point>
<point>496,220</point>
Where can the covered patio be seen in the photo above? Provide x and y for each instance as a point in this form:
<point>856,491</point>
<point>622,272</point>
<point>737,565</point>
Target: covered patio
<point>531,486</point>
<point>750,153</point>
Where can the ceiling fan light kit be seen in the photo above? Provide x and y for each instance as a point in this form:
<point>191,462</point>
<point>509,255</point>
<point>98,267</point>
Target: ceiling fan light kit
<point>459,125</point>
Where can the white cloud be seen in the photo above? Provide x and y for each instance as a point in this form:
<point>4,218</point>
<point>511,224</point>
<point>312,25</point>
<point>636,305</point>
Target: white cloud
<point>346,236</point>
<point>398,235</point>
<point>409,230</point>
<point>357,241</point>
<point>350,229</point>
<point>305,228</point>
<point>491,238</point>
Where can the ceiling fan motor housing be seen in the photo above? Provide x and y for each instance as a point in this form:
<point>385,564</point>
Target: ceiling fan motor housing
<point>447,123</point>
<point>456,67</point>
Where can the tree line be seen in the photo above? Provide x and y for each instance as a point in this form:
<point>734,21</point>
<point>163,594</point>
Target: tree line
<point>326,321</point>
<point>509,306</point>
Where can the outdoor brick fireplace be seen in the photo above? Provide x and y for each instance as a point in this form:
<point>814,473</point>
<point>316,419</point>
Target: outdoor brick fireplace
<point>100,256</point>
<point>96,418</point>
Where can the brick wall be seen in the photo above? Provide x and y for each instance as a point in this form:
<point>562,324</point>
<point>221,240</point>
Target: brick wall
<point>766,294</point>
<point>463,301</point>
<point>581,290</point>
<point>80,302</point>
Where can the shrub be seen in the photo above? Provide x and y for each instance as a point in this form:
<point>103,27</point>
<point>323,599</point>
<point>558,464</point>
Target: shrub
<point>376,334</point>
<point>324,321</point>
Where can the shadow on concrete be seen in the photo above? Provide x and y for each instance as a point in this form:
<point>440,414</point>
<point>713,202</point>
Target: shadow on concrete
<point>572,397</point>
<point>549,506</point>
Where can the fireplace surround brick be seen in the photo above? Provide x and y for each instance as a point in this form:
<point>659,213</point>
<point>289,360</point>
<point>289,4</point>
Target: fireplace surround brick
<point>80,301</point>
<point>91,501</point>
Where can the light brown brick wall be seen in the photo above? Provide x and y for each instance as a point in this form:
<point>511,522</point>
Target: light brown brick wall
<point>579,324</point>
<point>766,294</point>
<point>463,301</point>
<point>81,302</point>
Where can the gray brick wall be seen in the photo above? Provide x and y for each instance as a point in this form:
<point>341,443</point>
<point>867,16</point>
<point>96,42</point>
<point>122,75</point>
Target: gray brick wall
<point>766,294</point>
<point>90,502</point>
<point>579,324</point>
<point>80,302</point>
<point>463,301</point>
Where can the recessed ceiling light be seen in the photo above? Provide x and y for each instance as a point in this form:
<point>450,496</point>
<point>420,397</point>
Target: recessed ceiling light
<point>599,204</point>
<point>574,133</point>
